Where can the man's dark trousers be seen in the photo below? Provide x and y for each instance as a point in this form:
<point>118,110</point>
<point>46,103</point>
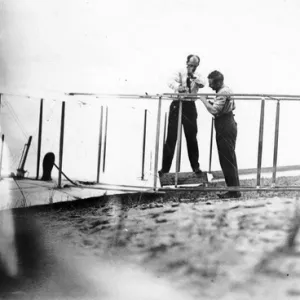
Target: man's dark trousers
<point>189,122</point>
<point>226,133</point>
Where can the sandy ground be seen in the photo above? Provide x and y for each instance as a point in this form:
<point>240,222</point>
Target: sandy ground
<point>209,249</point>
<point>147,246</point>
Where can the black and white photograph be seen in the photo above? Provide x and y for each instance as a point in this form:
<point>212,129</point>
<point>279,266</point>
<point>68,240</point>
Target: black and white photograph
<point>149,149</point>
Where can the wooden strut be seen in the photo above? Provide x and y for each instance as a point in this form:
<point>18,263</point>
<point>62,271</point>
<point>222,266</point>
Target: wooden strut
<point>100,145</point>
<point>1,154</point>
<point>276,143</point>
<point>105,141</point>
<point>20,170</point>
<point>157,144</point>
<point>179,132</point>
<point>39,140</point>
<point>211,144</point>
<point>61,143</point>
<point>260,141</point>
<point>164,138</point>
<point>180,149</point>
<point>144,145</point>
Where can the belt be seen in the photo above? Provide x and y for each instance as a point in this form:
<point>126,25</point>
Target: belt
<point>225,114</point>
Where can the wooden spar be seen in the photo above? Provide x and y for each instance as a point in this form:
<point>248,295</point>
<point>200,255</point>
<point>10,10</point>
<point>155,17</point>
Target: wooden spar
<point>157,96</point>
<point>166,96</point>
<point>224,189</point>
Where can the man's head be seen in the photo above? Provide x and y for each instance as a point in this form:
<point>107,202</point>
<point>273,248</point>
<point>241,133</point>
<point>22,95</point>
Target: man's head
<point>216,80</point>
<point>192,62</point>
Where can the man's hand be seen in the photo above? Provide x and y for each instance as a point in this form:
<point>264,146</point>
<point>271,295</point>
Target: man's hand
<point>198,81</point>
<point>182,89</point>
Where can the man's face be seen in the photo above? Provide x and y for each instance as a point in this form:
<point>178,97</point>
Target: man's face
<point>192,65</point>
<point>211,84</point>
<point>214,85</point>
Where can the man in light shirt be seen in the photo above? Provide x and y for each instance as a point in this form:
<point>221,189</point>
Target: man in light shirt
<point>226,130</point>
<point>185,81</point>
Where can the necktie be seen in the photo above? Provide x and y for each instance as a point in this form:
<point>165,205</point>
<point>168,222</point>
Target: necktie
<point>188,83</point>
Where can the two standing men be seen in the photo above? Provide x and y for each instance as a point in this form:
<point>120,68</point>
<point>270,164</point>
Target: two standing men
<point>189,81</point>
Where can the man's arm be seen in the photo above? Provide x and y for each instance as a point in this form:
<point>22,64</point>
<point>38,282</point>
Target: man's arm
<point>210,107</point>
<point>199,80</point>
<point>217,106</point>
<point>175,83</point>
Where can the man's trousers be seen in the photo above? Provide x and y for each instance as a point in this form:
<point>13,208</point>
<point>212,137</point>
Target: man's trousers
<point>189,122</point>
<point>226,133</point>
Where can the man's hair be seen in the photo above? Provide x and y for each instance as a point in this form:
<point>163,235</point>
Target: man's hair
<point>216,76</point>
<point>190,56</point>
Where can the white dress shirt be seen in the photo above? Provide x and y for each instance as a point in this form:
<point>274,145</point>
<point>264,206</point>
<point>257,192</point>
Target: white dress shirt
<point>180,79</point>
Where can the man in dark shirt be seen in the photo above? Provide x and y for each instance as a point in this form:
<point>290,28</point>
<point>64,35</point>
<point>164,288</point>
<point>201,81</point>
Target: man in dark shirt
<point>226,130</point>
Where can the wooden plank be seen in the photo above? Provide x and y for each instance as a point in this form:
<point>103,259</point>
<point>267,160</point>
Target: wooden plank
<point>226,189</point>
<point>183,178</point>
<point>219,174</point>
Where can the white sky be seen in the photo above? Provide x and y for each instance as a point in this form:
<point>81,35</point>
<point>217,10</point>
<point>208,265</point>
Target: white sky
<point>97,45</point>
<point>133,46</point>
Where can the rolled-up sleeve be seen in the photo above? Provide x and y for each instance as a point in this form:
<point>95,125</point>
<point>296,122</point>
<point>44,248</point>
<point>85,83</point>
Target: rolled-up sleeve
<point>219,103</point>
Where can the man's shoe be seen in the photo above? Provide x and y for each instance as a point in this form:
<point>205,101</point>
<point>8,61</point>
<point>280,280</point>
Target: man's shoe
<point>161,173</point>
<point>198,171</point>
<point>229,195</point>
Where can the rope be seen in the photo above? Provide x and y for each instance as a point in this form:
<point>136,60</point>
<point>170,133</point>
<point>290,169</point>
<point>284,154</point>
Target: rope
<point>70,180</point>
<point>16,119</point>
<point>21,191</point>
